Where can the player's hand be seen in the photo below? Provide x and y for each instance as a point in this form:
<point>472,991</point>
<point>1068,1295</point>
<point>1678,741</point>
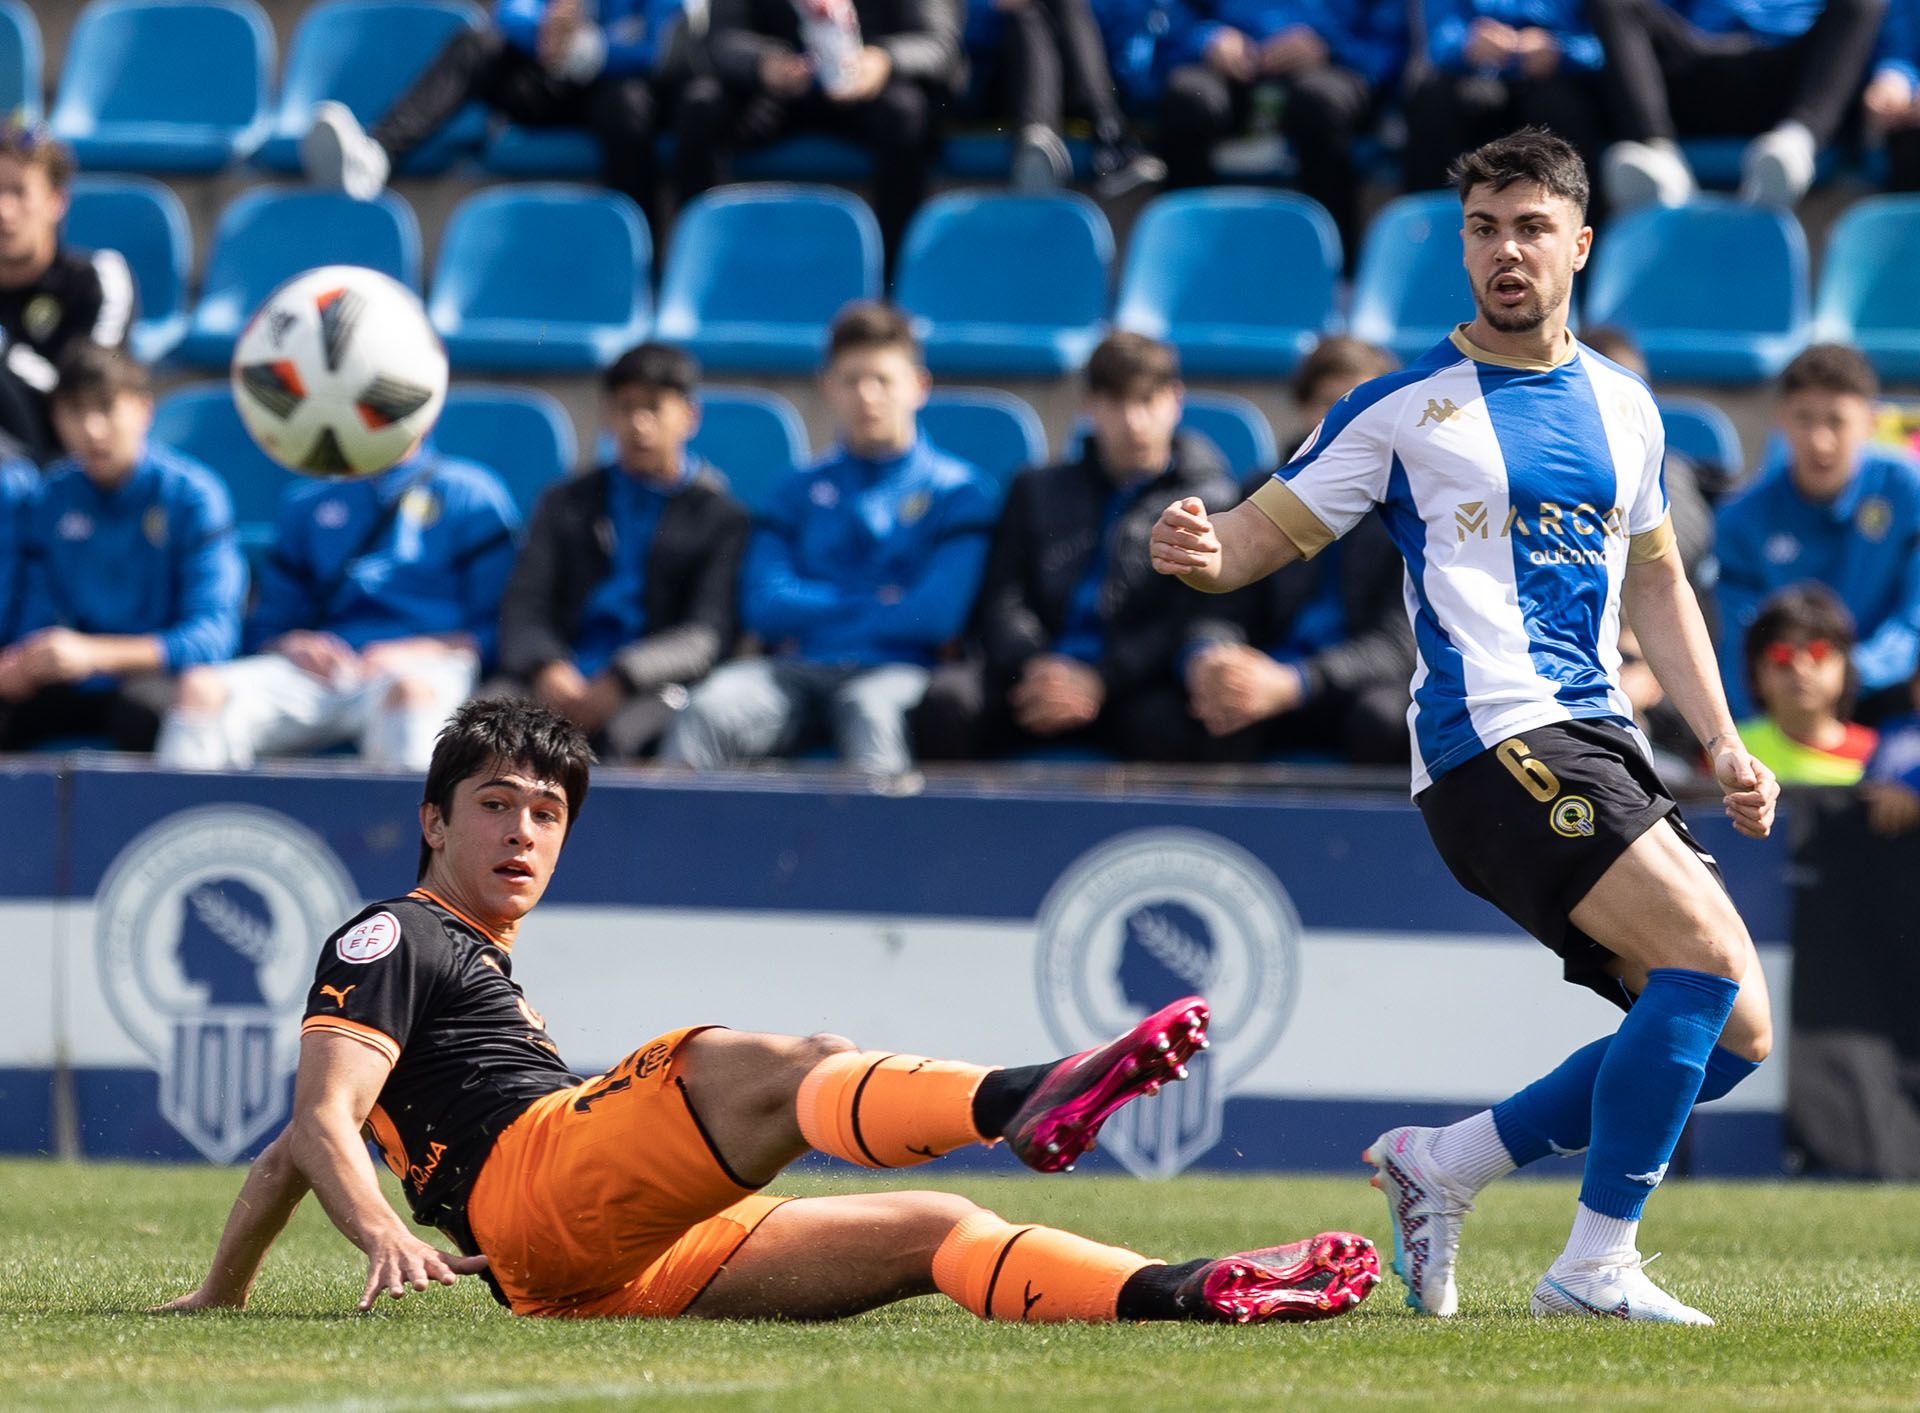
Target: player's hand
<point>1892,808</point>
<point>54,655</point>
<point>1232,686</point>
<point>1056,694</point>
<point>195,1301</point>
<point>407,1263</point>
<point>1749,788</point>
<point>1183,541</point>
<point>1232,54</point>
<point>866,76</point>
<point>1538,52</point>
<point>1889,100</point>
<point>1490,44</point>
<point>1294,50</point>
<point>786,75</point>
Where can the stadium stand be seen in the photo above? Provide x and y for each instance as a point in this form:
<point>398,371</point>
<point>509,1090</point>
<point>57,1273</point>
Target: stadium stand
<point>165,85</point>
<point>521,433</point>
<point>1408,293</point>
<point>1870,284</point>
<point>1007,285</point>
<point>755,273</point>
<point>1696,428</point>
<point>268,235</point>
<point>754,437</point>
<point>145,221</point>
<point>200,420</point>
<point>500,299</point>
<point>996,431</point>
<point>1284,255</point>
<point>1236,427</point>
<point>21,64</point>
<point>364,53</point>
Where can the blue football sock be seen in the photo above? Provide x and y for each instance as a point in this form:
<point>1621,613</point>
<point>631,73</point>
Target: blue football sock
<point>1647,1084</point>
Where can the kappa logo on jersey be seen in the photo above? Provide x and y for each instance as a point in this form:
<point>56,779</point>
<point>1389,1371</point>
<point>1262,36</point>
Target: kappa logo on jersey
<point>1572,817</point>
<point>1442,410</point>
<point>370,940</point>
<point>339,995</point>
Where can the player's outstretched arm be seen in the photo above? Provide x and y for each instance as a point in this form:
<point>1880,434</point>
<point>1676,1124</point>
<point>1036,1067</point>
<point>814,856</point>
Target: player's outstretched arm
<point>338,1081</point>
<point>1221,553</point>
<point>273,1189</point>
<point>1660,605</point>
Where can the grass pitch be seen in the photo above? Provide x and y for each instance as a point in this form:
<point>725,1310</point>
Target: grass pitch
<point>1817,1290</point>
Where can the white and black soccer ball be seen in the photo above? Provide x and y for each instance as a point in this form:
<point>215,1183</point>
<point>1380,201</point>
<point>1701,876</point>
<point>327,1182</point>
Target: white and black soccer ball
<point>339,373</point>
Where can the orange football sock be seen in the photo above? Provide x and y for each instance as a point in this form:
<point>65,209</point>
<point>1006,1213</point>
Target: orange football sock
<point>1039,1274</point>
<point>889,1111</point>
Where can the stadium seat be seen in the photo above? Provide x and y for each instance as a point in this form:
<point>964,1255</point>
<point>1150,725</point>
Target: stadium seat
<point>364,53</point>
<point>514,151</point>
<point>523,434</point>
<point>267,235</point>
<point>753,437</point>
<point>1410,290</point>
<point>144,221</point>
<point>502,301</point>
<point>1240,281</point>
<point>1714,291</point>
<point>757,272</point>
<point>1234,425</point>
<point>1007,285</point>
<point>165,85</point>
<point>200,420</point>
<point>1698,429</point>
<point>1870,284</point>
<point>996,431</point>
<point>20,61</point>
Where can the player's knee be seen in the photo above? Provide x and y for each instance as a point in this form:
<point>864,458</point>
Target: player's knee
<point>1750,1041</point>
<point>202,691</point>
<point>931,1215</point>
<point>810,1050</point>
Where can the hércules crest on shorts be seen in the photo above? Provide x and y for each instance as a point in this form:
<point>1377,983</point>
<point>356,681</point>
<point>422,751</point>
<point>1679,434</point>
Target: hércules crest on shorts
<point>206,930</point>
<point>1144,919</point>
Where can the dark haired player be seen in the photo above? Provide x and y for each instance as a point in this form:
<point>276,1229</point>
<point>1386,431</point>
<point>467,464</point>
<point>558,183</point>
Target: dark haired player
<point>1518,473</point>
<point>638,1192</point>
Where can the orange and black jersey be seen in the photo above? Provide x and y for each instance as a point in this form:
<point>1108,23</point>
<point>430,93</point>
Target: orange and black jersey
<point>433,991</point>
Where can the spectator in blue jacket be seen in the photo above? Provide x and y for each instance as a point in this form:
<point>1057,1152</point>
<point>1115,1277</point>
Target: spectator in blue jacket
<point>1494,65</point>
<point>1325,63</point>
<point>1839,511</point>
<point>861,569</point>
<point>132,574</point>
<point>19,478</point>
<point>603,65</point>
<point>1892,100</point>
<point>376,611</point>
<point>1145,40</point>
<point>1782,72</point>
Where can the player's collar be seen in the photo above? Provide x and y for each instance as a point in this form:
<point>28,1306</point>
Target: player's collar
<point>1478,354</point>
<point>488,933</point>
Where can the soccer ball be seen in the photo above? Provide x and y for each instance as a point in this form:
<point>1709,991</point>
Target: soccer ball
<point>339,373</point>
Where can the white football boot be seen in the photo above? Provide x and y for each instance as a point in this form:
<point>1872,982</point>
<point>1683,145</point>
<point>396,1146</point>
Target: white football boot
<point>1426,1211</point>
<point>338,155</point>
<point>1609,1290</point>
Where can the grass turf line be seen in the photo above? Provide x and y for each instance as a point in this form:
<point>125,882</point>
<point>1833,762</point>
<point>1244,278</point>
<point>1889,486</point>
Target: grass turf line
<point>1817,1290</point>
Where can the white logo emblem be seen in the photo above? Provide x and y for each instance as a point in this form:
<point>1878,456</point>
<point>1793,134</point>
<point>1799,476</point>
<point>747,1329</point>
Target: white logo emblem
<point>1652,1179</point>
<point>1781,549</point>
<point>1145,919</point>
<point>74,525</point>
<point>205,933</point>
<point>824,494</point>
<point>330,514</point>
<point>369,941</point>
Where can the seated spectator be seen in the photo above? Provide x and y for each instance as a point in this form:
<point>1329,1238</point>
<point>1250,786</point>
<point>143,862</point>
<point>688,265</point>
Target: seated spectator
<point>1325,63</point>
<point>1782,74</point>
<point>1317,657</point>
<point>52,298</point>
<point>132,573</point>
<point>19,479</point>
<point>1079,641</point>
<point>878,72</point>
<point>858,573</point>
<point>1838,510</point>
<point>1145,41</point>
<point>623,596</point>
<point>1891,786</point>
<point>603,65</point>
<point>376,609</point>
<point>1491,66</point>
<point>1892,99</point>
<point>1796,655</point>
<point>1037,57</point>
<point>1676,752</point>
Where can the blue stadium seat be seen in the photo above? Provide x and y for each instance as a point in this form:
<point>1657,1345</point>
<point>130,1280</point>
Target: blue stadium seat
<point>1714,291</point>
<point>754,437</point>
<point>514,151</point>
<point>1870,284</point>
<point>268,235</point>
<point>165,85</point>
<point>1240,281</point>
<point>1008,285</point>
<point>200,420</point>
<point>502,301</point>
<point>1697,428</point>
<point>523,434</point>
<point>1234,425</point>
<point>364,53</point>
<point>21,82</point>
<point>996,431</point>
<point>757,272</point>
<point>1410,290</point>
<point>144,221</point>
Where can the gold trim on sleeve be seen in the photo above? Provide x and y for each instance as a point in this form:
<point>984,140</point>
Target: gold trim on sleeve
<point>1653,544</point>
<point>1281,504</point>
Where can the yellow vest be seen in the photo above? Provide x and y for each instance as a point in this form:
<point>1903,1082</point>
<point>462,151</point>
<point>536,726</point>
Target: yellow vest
<point>1795,762</point>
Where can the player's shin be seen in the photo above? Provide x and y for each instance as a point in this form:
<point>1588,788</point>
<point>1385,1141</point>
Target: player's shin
<point>889,1111</point>
<point>1034,1274</point>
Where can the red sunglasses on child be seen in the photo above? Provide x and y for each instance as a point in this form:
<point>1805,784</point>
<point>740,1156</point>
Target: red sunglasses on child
<point>1783,654</point>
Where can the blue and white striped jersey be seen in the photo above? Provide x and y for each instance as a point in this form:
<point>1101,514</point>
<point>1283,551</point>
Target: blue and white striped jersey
<point>1516,492</point>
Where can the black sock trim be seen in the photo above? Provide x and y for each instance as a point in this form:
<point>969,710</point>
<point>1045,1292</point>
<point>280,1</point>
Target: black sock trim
<point>1000,1095</point>
<point>993,1280</point>
<point>1153,1293</point>
<point>860,1089</point>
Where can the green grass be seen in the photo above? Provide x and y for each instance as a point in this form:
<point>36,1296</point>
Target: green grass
<point>1817,1290</point>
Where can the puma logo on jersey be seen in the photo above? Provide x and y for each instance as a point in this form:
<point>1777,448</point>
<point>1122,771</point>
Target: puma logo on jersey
<point>339,995</point>
<point>1443,410</point>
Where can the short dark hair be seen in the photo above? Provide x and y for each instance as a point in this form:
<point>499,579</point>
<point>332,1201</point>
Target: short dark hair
<point>506,731</point>
<point>867,323</point>
<point>1830,367</point>
<point>30,141</point>
<point>91,370</point>
<point>1124,364</point>
<point>653,365</point>
<point>1340,356</point>
<point>1800,613</point>
<point>1529,155</point>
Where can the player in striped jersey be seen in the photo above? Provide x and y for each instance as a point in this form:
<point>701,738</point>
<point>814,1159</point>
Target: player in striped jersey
<point>1519,475</point>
